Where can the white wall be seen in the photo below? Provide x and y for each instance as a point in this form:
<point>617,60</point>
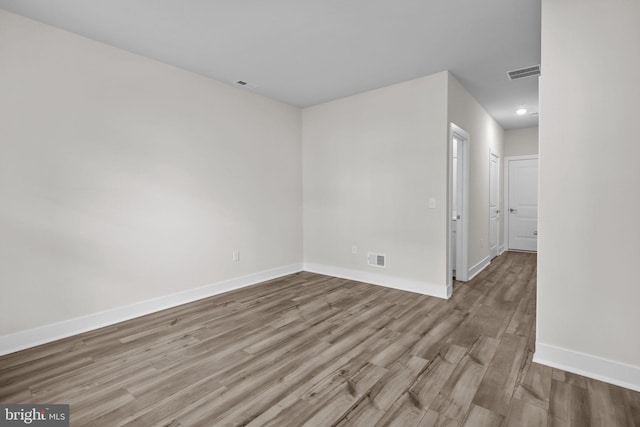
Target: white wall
<point>589,245</point>
<point>123,179</point>
<point>486,136</point>
<point>371,162</point>
<point>521,142</point>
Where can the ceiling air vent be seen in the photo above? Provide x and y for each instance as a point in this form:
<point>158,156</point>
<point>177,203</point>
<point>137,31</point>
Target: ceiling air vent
<point>245,84</point>
<point>524,72</point>
<point>376,260</point>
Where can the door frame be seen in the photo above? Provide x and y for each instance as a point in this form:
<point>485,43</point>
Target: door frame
<point>498,217</point>
<point>507,163</point>
<point>462,226</point>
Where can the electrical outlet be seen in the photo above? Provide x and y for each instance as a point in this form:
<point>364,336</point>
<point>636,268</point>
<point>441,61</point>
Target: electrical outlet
<point>236,256</point>
<point>354,249</point>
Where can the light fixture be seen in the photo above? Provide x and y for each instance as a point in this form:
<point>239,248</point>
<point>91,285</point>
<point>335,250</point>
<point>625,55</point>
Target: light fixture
<point>521,111</point>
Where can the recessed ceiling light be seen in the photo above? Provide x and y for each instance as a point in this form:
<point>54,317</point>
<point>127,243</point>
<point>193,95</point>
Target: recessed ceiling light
<point>521,111</point>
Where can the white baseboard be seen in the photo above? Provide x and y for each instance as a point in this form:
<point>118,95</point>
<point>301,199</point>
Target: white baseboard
<point>598,368</point>
<point>501,249</point>
<point>473,271</point>
<point>440,291</point>
<point>55,331</point>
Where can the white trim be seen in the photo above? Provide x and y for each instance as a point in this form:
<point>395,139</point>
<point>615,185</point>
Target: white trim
<point>498,219</point>
<point>473,271</point>
<point>598,368</point>
<point>32,337</point>
<point>506,192</point>
<point>502,249</point>
<point>425,288</point>
<point>523,157</point>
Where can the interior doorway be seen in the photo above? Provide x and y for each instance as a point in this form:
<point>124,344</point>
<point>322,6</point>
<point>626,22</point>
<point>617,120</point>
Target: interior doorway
<point>521,200</point>
<point>458,204</point>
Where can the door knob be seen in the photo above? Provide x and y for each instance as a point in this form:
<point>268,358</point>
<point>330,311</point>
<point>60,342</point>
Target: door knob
<point>498,211</point>
<point>535,233</point>
<point>513,210</point>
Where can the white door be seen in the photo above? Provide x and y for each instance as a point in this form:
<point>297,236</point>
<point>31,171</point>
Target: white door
<point>493,205</point>
<point>454,203</point>
<point>523,204</point>
<point>457,180</point>
<point>458,203</point>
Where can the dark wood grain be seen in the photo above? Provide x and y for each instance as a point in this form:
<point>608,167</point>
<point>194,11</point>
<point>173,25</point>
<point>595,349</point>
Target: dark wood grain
<point>313,350</point>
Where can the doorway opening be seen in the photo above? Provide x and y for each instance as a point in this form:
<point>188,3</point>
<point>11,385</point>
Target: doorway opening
<point>521,200</point>
<point>458,206</point>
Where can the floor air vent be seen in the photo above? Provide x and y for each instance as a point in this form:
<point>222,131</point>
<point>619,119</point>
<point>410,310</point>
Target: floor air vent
<point>377,260</point>
<point>524,72</point>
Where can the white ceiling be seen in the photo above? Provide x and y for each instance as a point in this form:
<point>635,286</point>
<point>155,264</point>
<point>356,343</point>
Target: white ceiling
<point>306,52</point>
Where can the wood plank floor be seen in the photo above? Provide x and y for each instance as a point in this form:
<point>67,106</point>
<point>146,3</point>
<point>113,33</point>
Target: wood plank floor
<point>311,350</point>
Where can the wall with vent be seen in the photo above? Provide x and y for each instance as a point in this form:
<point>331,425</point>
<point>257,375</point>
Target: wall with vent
<point>371,162</point>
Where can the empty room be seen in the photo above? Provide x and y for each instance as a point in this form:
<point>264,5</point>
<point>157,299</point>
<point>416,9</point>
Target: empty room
<point>319,213</point>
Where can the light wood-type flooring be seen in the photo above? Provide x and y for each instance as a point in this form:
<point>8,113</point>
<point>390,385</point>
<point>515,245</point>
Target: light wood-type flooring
<point>319,351</point>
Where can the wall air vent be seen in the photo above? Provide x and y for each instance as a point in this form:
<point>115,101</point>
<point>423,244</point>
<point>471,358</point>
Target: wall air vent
<point>376,260</point>
<point>524,72</point>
